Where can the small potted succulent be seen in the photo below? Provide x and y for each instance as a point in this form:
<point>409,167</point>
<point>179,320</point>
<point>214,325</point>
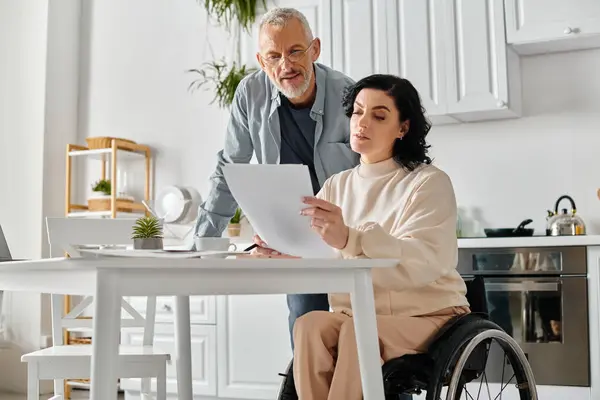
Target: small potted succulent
<point>147,234</point>
<point>234,228</point>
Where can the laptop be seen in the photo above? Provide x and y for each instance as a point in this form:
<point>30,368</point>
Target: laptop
<point>4,251</point>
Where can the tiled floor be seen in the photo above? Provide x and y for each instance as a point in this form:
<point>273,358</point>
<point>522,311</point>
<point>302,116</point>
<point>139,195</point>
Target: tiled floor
<point>75,395</point>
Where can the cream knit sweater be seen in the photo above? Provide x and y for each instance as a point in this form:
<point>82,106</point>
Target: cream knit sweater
<point>409,216</point>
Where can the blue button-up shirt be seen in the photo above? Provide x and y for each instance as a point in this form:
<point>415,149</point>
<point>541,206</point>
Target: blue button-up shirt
<point>254,128</point>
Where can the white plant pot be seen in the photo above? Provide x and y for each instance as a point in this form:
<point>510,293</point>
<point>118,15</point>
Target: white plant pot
<point>99,195</point>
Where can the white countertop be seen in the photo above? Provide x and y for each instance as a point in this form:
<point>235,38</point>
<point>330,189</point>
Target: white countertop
<point>531,241</point>
<point>484,242</point>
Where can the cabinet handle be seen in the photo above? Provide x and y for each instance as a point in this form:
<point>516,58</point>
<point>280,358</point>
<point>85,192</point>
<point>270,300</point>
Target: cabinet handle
<point>523,286</point>
<point>167,307</point>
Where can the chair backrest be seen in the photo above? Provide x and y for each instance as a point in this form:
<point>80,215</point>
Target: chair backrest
<point>64,234</point>
<point>4,250</point>
<point>476,295</point>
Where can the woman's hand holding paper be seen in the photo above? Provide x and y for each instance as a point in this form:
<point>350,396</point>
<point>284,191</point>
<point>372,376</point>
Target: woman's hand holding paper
<point>327,221</point>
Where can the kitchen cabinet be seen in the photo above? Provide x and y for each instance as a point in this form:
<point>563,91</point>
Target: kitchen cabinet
<point>538,26</point>
<point>358,37</point>
<point>416,44</point>
<point>238,355</point>
<point>482,73</point>
<point>253,346</point>
<point>454,53</point>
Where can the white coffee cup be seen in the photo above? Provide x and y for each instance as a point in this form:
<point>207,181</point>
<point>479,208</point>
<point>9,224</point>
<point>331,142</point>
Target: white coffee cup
<point>214,244</point>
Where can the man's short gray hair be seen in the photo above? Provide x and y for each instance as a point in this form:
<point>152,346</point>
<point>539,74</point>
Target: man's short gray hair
<point>279,16</point>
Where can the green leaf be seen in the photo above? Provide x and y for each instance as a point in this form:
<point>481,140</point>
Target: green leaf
<point>147,227</point>
<point>237,217</point>
<point>225,79</point>
<point>225,12</point>
<point>102,185</point>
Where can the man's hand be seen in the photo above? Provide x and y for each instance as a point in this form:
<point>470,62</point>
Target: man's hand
<point>327,221</point>
<point>264,251</point>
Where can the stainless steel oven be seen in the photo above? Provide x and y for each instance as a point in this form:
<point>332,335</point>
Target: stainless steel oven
<point>539,297</point>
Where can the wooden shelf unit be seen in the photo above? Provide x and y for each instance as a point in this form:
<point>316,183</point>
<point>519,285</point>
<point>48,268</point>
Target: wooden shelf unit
<point>106,156</point>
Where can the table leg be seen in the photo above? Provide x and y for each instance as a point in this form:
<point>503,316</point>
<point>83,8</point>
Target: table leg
<point>105,339</point>
<point>365,326</point>
<point>183,348</point>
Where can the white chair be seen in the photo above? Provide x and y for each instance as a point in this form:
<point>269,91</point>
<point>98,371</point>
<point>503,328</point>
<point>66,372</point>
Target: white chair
<point>61,361</point>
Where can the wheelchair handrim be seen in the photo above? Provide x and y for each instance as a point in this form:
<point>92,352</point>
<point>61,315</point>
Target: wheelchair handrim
<point>502,337</point>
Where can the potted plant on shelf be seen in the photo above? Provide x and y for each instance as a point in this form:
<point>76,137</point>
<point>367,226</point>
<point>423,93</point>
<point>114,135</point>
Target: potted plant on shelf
<point>101,188</point>
<point>100,199</point>
<point>147,234</point>
<point>235,227</point>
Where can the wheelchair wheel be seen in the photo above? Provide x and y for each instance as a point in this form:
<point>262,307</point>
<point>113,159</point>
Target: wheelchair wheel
<point>475,367</point>
<point>287,390</point>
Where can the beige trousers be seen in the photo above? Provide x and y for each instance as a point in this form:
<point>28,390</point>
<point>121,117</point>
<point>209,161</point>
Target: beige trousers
<point>326,356</point>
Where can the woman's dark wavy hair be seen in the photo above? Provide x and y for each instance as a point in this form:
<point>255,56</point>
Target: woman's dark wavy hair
<point>411,151</point>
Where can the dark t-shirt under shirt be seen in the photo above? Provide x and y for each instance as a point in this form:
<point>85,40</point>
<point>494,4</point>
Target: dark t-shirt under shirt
<point>298,138</point>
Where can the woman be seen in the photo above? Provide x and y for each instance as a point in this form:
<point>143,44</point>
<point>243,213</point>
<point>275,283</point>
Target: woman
<point>395,204</point>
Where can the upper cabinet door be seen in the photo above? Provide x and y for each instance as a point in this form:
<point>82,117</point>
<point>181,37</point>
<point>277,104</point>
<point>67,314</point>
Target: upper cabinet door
<point>415,47</point>
<point>477,65</point>
<point>358,40</point>
<point>543,20</point>
<point>318,14</point>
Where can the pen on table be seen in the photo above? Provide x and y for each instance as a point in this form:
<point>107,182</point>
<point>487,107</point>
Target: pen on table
<point>251,247</point>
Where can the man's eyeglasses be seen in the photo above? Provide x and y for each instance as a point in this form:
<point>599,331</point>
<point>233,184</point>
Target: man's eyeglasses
<point>294,57</point>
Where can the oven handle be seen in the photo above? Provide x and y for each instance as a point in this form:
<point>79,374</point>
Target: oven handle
<point>525,286</point>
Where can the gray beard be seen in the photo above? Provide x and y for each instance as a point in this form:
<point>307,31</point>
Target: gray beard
<point>293,93</point>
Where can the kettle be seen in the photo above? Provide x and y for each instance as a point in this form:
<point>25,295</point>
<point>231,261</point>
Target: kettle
<point>565,223</point>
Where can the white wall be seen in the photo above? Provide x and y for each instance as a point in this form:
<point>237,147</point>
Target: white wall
<point>38,116</point>
<point>23,27</point>
<point>513,170</point>
<point>134,85</point>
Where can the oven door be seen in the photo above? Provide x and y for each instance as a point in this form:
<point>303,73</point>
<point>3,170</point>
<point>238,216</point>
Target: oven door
<point>523,261</point>
<point>548,317</point>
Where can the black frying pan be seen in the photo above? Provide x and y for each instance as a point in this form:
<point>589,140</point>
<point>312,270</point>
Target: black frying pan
<point>519,231</point>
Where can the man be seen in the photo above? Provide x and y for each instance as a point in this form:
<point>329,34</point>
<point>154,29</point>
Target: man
<point>289,112</point>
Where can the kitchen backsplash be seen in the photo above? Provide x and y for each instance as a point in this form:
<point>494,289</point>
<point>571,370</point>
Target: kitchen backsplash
<point>507,171</point>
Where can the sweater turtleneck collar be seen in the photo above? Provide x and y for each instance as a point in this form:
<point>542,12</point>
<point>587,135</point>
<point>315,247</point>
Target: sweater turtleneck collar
<point>378,169</point>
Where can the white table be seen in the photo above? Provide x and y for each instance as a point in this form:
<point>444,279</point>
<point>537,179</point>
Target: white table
<point>110,278</point>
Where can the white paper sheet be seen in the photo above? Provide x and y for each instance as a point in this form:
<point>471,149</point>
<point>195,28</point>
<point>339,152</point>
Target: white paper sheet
<point>171,254</point>
<point>271,198</point>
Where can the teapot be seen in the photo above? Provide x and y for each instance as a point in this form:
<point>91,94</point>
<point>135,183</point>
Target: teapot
<point>564,224</point>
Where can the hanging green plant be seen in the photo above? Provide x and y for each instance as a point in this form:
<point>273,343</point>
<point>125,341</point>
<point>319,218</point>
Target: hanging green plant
<point>226,11</point>
<point>225,79</point>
